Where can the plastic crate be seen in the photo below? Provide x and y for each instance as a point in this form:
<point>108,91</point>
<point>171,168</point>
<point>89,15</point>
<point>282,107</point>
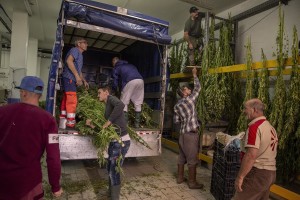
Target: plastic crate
<point>230,155</point>
<point>226,170</point>
<point>226,165</point>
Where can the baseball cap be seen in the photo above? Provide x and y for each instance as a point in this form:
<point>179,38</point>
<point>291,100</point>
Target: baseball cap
<point>193,9</point>
<point>32,84</point>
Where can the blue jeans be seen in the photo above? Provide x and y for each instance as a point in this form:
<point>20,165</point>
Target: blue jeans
<point>115,149</point>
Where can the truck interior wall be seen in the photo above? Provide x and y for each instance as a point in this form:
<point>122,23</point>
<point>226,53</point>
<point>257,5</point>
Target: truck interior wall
<point>147,58</point>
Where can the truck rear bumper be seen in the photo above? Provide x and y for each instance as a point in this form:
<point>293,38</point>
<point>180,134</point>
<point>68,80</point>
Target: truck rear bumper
<point>77,147</point>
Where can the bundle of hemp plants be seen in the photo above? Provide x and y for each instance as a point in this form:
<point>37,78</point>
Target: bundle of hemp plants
<point>242,121</point>
<point>288,157</point>
<point>278,104</point>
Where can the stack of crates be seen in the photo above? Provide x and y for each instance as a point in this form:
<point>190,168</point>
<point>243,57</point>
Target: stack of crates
<point>226,165</point>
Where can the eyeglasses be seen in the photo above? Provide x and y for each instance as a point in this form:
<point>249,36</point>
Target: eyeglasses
<point>85,42</point>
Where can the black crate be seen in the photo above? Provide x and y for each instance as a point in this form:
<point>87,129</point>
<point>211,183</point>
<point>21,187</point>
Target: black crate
<point>230,155</point>
<point>226,165</point>
<point>226,170</point>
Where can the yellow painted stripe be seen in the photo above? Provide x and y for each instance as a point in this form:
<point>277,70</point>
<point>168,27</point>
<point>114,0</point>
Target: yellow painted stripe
<point>280,191</point>
<point>271,73</point>
<point>255,65</point>
<point>181,75</point>
<point>242,67</point>
<point>174,146</point>
<point>205,158</point>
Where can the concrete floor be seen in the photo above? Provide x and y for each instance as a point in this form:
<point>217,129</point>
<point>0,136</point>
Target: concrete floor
<point>148,178</point>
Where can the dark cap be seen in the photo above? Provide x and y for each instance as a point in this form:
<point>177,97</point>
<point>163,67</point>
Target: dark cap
<point>193,9</point>
<point>32,84</point>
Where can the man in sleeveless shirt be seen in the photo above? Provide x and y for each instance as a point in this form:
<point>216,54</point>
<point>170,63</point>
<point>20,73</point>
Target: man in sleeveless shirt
<point>193,33</point>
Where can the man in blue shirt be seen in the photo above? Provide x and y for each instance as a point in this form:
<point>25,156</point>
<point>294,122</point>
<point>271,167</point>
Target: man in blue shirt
<point>132,86</point>
<point>71,78</point>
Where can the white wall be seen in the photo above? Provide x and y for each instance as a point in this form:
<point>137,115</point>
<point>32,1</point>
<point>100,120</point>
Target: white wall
<point>43,65</point>
<point>32,58</point>
<point>265,27</point>
<point>44,73</point>
<point>264,31</point>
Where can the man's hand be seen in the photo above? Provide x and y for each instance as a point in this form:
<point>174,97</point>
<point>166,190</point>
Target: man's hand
<point>238,184</point>
<point>86,84</point>
<point>79,81</point>
<point>58,193</point>
<point>88,122</point>
<point>194,72</point>
<point>191,46</point>
<point>107,124</point>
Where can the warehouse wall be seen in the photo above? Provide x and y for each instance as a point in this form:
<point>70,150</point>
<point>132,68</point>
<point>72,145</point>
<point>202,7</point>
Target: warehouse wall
<point>44,74</point>
<point>43,65</point>
<point>262,28</point>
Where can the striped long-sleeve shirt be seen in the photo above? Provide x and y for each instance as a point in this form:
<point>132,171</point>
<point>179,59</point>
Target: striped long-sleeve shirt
<point>185,111</point>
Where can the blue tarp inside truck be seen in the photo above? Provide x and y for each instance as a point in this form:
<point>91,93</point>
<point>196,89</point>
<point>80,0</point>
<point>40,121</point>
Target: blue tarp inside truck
<point>117,19</point>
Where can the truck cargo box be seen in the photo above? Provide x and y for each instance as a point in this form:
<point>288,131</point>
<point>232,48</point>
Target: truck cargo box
<point>111,31</point>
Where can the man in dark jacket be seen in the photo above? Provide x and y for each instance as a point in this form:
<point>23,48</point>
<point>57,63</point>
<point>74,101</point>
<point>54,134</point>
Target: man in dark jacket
<point>132,86</point>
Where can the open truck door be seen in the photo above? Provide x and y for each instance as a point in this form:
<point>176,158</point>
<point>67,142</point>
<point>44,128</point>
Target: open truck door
<point>111,31</point>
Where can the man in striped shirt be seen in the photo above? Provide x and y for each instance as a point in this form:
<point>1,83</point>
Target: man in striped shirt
<point>185,113</point>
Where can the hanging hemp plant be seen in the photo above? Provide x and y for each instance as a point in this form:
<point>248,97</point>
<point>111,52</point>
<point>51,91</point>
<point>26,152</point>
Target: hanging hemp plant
<point>230,81</point>
<point>200,106</point>
<point>255,83</point>
<point>264,83</point>
<point>288,157</point>
<point>216,91</point>
<point>242,121</point>
<point>206,79</point>
<point>292,105</point>
<point>278,104</point>
<point>176,59</point>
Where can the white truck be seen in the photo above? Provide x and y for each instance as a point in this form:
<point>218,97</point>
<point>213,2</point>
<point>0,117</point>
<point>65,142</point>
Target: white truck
<point>111,31</point>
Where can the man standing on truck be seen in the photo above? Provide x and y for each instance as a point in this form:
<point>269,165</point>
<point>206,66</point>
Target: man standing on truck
<point>132,87</point>
<point>193,33</point>
<point>258,167</point>
<point>115,117</point>
<point>185,113</point>
<point>71,78</point>
<point>26,132</point>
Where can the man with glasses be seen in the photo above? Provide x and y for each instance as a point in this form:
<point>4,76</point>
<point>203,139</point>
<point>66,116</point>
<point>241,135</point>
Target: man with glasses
<point>193,33</point>
<point>71,78</point>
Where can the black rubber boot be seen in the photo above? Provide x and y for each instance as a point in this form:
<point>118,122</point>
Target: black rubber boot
<point>126,116</point>
<point>180,175</point>
<point>193,184</point>
<point>115,192</point>
<point>137,119</point>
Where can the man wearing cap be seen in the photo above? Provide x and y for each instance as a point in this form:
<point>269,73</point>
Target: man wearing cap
<point>71,78</point>
<point>26,132</point>
<point>185,114</point>
<point>193,33</point>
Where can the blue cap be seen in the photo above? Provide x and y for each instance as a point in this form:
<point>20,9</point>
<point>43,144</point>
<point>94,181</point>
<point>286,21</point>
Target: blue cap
<point>32,84</point>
